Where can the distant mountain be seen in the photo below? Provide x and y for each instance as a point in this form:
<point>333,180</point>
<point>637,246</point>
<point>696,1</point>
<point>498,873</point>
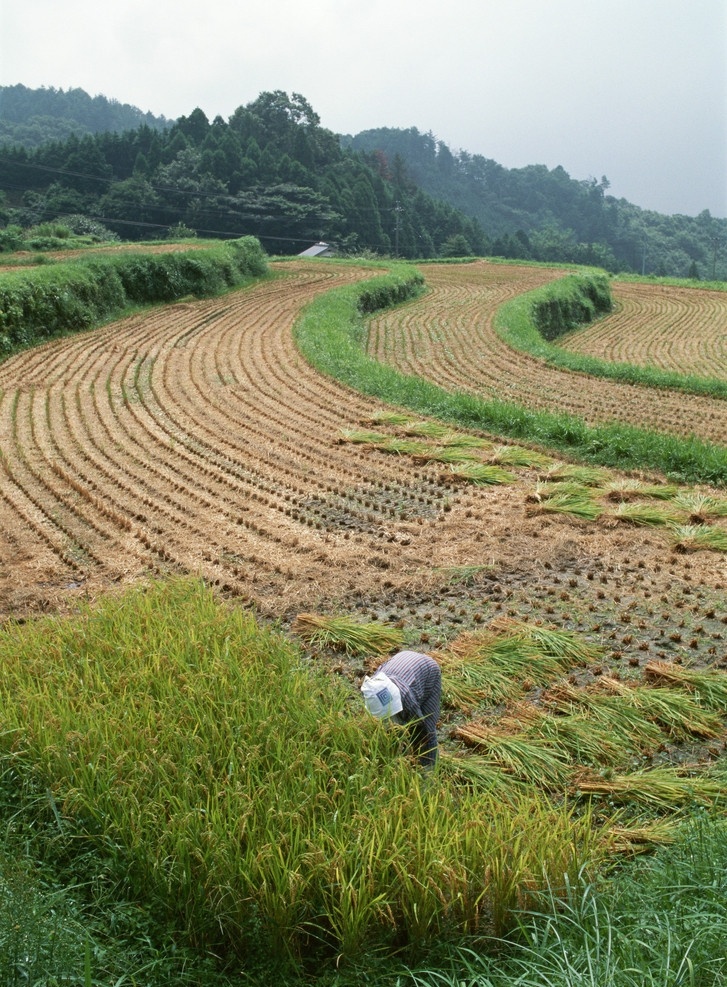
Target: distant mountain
<point>31,117</point>
<point>544,214</point>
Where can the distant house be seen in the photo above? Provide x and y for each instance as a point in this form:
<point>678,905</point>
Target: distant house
<point>319,249</point>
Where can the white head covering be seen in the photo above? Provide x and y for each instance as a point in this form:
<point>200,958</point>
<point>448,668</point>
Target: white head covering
<point>381,695</point>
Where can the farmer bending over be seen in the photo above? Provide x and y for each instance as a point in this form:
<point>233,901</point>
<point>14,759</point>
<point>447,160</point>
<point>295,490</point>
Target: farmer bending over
<point>408,688</point>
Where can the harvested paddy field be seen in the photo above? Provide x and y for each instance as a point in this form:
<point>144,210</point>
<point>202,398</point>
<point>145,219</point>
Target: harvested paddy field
<point>196,439</point>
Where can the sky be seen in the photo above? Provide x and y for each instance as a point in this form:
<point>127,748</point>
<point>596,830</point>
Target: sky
<point>635,90</point>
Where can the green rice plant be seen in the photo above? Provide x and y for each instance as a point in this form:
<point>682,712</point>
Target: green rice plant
<point>628,488</point>
<point>481,474</point>
<point>347,634</point>
<point>577,503</point>
<point>643,515</point>
<point>528,758</point>
<point>698,537</point>
<point>508,455</point>
<point>656,788</point>
<point>708,684</point>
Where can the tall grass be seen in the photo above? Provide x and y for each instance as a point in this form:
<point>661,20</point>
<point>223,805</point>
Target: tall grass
<point>248,799</point>
<point>661,922</point>
<point>331,333</point>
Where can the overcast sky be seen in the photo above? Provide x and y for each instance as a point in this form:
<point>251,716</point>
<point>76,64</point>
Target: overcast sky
<point>632,89</point>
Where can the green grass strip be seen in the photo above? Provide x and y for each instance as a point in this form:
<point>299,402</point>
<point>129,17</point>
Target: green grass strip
<point>331,333</point>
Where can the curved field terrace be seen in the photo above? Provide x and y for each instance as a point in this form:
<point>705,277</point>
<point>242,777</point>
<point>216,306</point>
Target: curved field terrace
<point>196,438</point>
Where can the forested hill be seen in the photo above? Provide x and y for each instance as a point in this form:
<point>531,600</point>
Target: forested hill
<point>32,117</point>
<point>534,212</point>
<point>271,171</point>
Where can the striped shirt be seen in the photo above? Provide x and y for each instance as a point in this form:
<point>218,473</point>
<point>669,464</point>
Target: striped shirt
<point>420,682</point>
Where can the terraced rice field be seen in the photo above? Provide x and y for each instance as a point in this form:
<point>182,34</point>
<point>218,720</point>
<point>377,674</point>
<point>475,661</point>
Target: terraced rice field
<point>448,337</point>
<point>195,438</point>
<point>672,328</point>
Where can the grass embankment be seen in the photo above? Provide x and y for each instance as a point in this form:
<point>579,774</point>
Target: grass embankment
<point>169,748</point>
<point>38,304</point>
<point>331,334</point>
<point>530,321</point>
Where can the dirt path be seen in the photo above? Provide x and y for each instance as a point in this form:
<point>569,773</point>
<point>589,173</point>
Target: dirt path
<point>196,439</point>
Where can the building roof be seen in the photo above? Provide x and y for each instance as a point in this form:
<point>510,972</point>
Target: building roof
<point>317,250</point>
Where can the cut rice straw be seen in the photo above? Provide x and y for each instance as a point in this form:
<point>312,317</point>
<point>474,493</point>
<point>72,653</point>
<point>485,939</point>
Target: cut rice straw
<point>344,634</point>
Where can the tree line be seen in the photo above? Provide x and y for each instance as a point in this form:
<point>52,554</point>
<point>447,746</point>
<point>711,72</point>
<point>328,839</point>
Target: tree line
<point>543,214</point>
<point>271,171</point>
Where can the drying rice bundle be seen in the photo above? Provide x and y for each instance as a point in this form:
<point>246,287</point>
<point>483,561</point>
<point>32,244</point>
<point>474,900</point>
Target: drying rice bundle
<point>709,684</point>
<point>481,474</point>
<point>581,738</point>
<point>402,447</point>
<point>570,649</point>
<point>675,711</point>
<point>345,634</point>
<point>588,476</point>
<point>659,788</point>
<point>626,725</point>
<point>470,683</point>
<point>361,437</point>
<point>641,839</point>
<point>696,537</point>
<point>700,507</point>
<point>627,488</point>
<point>482,773</point>
<point>577,502</point>
<point>446,454</point>
<point>385,417</point>
<point>545,490</point>
<point>644,515</point>
<point>518,456</point>
<point>529,759</point>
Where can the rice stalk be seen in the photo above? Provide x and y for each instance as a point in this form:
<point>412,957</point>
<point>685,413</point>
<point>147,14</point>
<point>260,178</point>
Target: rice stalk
<point>480,772</point>
<point>640,839</point>
<point>526,758</point>
<point>385,417</point>
<point>588,476</point>
<point>545,490</point>
<point>628,488</point>
<point>696,537</point>
<point>643,515</point>
<point>426,429</point>
<point>402,447</point>
<point>674,711</point>
<point>579,505</point>
<point>518,456</point>
<point>625,725</point>
<point>709,684</point>
<point>700,507</point>
<point>569,648</point>
<point>657,788</point>
<point>481,474</point>
<point>361,437</point>
<point>345,634</point>
<point>445,454</point>
<point>584,740</point>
